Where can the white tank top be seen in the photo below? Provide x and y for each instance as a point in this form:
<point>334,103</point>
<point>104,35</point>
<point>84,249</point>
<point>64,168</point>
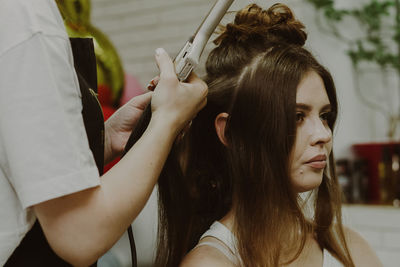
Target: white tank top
<point>223,234</point>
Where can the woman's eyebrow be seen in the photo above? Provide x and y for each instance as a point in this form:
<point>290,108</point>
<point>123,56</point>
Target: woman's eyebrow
<point>306,107</point>
<point>327,107</point>
<point>302,106</point>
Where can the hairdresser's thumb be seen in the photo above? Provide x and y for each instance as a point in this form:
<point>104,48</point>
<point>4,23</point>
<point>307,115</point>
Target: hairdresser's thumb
<point>165,64</point>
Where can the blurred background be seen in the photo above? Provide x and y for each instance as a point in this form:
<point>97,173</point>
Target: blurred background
<point>358,41</point>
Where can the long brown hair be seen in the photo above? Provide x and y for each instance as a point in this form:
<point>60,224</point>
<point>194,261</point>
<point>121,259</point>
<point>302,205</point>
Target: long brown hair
<point>253,75</point>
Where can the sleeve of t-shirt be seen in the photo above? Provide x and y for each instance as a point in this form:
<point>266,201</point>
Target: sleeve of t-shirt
<point>41,125</point>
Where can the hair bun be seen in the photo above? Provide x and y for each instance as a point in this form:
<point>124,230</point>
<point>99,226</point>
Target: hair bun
<point>276,25</point>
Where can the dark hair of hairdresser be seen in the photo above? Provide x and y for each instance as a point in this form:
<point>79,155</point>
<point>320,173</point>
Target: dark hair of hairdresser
<point>252,74</point>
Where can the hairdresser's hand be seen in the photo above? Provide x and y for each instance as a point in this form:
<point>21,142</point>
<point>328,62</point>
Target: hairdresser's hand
<point>119,126</point>
<point>176,102</point>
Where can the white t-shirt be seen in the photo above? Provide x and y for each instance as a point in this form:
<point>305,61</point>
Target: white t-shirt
<point>44,152</point>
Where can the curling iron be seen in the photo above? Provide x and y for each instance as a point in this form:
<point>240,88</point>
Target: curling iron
<point>189,56</point>
<point>185,61</point>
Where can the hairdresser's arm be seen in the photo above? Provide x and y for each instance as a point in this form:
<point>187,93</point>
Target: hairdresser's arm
<point>82,226</point>
<point>361,252</point>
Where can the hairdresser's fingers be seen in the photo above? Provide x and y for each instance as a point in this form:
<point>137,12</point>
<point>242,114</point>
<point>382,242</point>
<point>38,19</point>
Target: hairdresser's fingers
<point>153,83</point>
<point>140,102</point>
<point>165,65</point>
<point>199,85</point>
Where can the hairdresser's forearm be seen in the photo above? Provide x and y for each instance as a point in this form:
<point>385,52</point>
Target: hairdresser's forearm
<point>83,226</point>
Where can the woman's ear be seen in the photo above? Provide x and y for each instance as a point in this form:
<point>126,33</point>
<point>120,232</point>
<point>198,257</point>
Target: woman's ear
<point>220,123</point>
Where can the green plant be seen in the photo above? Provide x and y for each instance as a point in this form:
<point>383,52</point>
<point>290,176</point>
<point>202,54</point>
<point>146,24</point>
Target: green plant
<point>379,44</point>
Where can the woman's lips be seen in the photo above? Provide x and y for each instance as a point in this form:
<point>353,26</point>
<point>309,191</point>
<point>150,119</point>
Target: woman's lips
<point>317,162</point>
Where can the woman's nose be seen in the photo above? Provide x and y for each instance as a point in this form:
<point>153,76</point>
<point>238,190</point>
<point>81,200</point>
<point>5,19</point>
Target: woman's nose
<point>321,133</point>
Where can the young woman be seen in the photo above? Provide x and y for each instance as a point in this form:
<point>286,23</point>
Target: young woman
<point>264,137</point>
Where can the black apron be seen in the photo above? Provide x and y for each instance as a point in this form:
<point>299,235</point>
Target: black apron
<point>34,249</point>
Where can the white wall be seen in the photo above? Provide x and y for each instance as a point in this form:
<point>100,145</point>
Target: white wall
<point>138,27</point>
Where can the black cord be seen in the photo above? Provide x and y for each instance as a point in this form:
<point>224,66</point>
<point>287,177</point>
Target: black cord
<point>133,247</point>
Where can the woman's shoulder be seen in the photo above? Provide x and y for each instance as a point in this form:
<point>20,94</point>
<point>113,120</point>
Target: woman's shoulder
<point>205,256</point>
<point>361,252</point>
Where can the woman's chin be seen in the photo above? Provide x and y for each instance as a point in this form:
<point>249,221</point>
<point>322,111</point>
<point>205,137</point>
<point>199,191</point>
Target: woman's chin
<point>307,182</point>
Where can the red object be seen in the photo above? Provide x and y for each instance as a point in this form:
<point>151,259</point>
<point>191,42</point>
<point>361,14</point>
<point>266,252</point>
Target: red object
<point>104,95</point>
<point>107,111</point>
<point>372,152</point>
<point>110,165</point>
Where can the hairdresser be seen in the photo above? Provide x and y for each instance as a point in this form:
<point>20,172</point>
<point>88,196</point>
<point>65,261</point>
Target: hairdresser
<point>55,209</point>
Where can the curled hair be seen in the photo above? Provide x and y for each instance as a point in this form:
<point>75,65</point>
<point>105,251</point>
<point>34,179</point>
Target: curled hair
<point>253,75</point>
<point>277,24</point>
<point>256,28</point>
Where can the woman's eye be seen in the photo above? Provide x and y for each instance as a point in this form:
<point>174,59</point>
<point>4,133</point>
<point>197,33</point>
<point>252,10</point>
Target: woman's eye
<point>325,116</point>
<point>299,117</point>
